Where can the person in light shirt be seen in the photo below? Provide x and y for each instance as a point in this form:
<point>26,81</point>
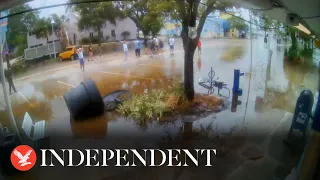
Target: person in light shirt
<point>81,60</point>
<point>199,47</point>
<point>125,49</point>
<point>171,44</point>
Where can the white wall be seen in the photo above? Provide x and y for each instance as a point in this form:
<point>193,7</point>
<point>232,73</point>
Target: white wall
<point>121,25</point>
<point>32,40</point>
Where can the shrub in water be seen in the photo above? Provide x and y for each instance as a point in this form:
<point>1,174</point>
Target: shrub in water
<point>153,104</point>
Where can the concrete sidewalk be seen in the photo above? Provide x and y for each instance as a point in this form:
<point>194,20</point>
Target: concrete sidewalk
<point>277,160</point>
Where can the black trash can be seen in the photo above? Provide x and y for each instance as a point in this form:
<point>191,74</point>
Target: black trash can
<point>9,144</point>
<point>84,101</point>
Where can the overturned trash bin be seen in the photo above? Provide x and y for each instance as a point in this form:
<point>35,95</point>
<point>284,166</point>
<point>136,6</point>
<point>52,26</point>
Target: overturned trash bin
<point>114,99</point>
<point>84,101</point>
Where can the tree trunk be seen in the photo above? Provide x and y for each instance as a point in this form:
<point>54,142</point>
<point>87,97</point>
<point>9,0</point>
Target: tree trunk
<point>63,39</point>
<point>293,39</point>
<point>145,36</point>
<point>99,35</point>
<point>188,75</point>
<point>189,46</point>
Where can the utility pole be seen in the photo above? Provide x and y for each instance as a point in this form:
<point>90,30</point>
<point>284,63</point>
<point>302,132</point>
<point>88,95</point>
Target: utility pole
<point>54,47</point>
<point>3,31</point>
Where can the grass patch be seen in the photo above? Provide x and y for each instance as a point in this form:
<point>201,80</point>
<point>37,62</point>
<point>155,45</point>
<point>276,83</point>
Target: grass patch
<point>233,54</point>
<point>158,103</point>
<point>17,67</point>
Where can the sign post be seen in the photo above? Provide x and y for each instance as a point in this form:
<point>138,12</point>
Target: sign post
<point>4,50</point>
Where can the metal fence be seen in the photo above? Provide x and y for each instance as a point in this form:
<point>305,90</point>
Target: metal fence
<point>34,53</point>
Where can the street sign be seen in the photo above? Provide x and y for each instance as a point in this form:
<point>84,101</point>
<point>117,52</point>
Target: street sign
<point>4,22</point>
<point>3,27</point>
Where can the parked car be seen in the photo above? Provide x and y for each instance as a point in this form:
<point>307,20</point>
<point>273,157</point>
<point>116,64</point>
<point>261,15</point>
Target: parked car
<point>69,53</point>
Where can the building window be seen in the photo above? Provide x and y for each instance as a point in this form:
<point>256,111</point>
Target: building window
<point>101,33</point>
<point>91,35</point>
<point>113,33</point>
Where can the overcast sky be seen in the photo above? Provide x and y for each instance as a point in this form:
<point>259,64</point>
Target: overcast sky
<point>61,9</point>
<point>46,12</point>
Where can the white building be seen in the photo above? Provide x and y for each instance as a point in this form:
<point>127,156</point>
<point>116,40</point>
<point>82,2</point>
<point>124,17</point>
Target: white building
<point>109,33</point>
<point>33,41</point>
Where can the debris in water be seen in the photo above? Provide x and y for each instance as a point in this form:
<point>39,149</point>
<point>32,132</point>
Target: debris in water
<point>252,153</point>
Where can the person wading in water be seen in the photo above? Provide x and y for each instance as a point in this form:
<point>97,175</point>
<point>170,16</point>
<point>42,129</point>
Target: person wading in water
<point>9,76</point>
<point>90,53</point>
<point>10,80</point>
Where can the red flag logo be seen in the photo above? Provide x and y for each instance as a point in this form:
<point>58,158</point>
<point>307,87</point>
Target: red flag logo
<point>23,158</point>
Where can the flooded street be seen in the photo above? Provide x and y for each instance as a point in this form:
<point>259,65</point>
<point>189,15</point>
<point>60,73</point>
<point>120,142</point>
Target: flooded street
<point>270,92</point>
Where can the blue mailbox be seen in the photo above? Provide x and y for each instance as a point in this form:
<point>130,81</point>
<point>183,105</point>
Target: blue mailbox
<point>302,113</point>
<point>316,116</point>
<point>236,82</point>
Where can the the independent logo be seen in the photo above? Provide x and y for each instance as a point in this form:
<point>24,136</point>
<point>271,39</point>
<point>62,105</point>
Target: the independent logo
<point>23,158</point>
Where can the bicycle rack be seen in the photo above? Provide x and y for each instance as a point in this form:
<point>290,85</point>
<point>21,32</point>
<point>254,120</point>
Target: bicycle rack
<point>211,83</point>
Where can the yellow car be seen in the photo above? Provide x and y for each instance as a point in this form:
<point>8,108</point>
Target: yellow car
<point>69,53</point>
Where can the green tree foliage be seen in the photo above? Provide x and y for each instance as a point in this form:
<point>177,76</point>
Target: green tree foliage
<point>19,26</point>
<point>303,49</point>
<point>268,23</point>
<point>153,23</point>
<point>279,29</point>
<point>43,27</point>
<point>93,16</point>
<point>238,23</point>
<point>147,14</point>
<point>291,31</point>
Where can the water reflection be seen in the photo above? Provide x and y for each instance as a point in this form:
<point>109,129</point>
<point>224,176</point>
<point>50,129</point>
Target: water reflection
<point>235,102</point>
<point>93,128</point>
<point>52,90</point>
<point>152,78</point>
<point>199,63</point>
<point>284,97</point>
<point>28,99</point>
<point>233,53</point>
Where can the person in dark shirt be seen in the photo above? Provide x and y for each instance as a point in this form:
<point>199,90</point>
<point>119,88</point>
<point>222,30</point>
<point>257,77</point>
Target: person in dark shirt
<point>90,53</point>
<point>150,48</point>
<point>10,80</point>
<point>161,46</point>
<point>100,50</point>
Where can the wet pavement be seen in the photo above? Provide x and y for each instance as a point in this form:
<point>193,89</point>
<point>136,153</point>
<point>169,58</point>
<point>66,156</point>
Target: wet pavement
<point>270,91</point>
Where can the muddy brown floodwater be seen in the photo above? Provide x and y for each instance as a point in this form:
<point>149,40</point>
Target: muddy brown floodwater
<point>270,92</point>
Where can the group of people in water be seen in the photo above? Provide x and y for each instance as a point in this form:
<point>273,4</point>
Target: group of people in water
<point>152,48</point>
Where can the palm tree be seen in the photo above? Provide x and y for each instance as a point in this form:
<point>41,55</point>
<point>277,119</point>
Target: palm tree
<point>42,29</point>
